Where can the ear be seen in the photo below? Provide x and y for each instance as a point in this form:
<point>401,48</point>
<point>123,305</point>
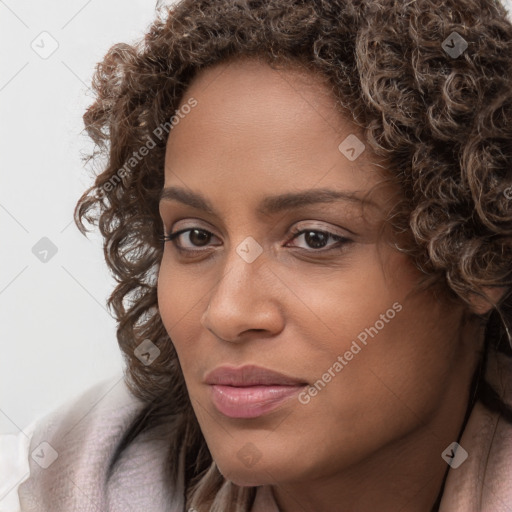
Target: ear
<point>480,305</point>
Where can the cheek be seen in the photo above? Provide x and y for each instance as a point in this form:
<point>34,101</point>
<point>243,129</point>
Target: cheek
<point>181,301</point>
<point>329,307</point>
<point>182,290</point>
<point>396,350</point>
<point>394,379</point>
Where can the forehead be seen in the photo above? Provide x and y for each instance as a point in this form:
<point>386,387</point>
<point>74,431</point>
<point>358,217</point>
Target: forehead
<point>256,128</point>
<point>247,94</point>
<point>253,75</point>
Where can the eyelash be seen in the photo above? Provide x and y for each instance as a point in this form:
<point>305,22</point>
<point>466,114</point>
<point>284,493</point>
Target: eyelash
<point>340,240</point>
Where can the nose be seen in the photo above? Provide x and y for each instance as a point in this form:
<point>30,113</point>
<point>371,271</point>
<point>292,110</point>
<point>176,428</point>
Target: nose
<point>245,300</point>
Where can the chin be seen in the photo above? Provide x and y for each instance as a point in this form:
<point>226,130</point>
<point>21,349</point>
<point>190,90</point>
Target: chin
<point>245,477</point>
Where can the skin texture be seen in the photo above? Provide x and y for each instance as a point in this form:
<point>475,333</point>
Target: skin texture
<point>375,432</point>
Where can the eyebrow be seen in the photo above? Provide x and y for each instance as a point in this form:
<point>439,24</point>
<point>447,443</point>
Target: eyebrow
<point>269,205</point>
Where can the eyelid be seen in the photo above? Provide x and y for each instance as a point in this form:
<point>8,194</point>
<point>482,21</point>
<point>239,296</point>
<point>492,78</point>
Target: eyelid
<point>309,225</point>
<point>313,225</point>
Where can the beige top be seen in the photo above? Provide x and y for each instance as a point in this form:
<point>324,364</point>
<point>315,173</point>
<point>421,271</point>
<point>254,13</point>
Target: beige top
<point>70,449</point>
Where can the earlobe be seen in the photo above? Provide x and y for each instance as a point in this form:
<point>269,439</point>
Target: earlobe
<point>481,305</point>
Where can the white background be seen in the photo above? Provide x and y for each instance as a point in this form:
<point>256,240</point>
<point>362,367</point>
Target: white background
<point>57,337</point>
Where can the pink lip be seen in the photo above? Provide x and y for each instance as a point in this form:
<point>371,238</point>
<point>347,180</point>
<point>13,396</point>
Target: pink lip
<point>250,391</point>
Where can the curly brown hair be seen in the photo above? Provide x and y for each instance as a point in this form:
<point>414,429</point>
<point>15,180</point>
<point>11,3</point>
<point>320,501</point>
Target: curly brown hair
<point>442,121</point>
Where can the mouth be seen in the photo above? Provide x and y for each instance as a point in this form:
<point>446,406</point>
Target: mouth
<point>250,391</point>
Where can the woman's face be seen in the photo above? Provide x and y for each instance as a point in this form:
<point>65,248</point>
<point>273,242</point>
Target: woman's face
<point>301,286</point>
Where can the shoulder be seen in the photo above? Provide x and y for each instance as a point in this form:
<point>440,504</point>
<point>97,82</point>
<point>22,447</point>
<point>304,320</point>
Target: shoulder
<point>39,445</point>
<point>70,450</point>
<point>481,476</point>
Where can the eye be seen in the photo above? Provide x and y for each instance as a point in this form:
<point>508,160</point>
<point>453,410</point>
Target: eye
<point>197,238</point>
<point>317,239</point>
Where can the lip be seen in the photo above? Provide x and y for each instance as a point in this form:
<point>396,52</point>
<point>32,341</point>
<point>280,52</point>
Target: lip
<point>250,391</point>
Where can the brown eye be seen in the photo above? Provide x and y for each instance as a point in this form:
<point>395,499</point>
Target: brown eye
<point>196,238</point>
<point>318,239</point>
<point>199,237</point>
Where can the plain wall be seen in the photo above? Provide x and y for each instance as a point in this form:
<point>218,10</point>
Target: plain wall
<point>57,336</point>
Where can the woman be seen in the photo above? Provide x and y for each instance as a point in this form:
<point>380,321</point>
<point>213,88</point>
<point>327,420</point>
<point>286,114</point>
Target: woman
<point>307,207</point>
